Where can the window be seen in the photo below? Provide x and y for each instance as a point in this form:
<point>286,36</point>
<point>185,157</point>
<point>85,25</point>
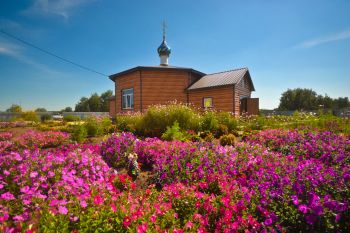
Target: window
<point>128,98</point>
<point>208,102</point>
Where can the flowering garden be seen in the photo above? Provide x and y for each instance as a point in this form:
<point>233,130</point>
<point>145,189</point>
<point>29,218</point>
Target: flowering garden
<point>272,180</point>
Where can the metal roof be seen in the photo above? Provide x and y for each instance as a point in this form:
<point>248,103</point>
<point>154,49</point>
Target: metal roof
<point>230,77</point>
<point>114,76</point>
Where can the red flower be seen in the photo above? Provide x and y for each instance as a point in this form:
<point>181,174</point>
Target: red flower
<point>126,221</point>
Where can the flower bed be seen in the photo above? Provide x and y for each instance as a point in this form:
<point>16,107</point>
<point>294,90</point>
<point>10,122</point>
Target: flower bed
<point>36,139</point>
<point>276,181</point>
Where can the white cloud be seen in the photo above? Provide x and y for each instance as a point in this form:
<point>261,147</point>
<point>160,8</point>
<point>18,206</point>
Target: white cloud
<point>16,52</point>
<point>343,35</point>
<point>63,8</point>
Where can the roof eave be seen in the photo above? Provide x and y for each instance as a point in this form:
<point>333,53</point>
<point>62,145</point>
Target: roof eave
<point>113,77</point>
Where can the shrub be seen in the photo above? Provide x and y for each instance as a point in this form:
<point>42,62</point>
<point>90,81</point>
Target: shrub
<point>209,121</point>
<point>71,118</point>
<point>30,116</point>
<point>106,125</point>
<point>221,130</point>
<point>45,117</point>
<point>157,118</point>
<point>174,133</point>
<point>227,119</point>
<point>79,133</point>
<point>93,127</point>
<point>229,140</point>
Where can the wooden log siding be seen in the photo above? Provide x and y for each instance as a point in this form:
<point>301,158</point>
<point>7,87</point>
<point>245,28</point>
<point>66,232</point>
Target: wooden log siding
<point>241,89</point>
<point>222,97</point>
<point>161,87</point>
<point>131,80</point>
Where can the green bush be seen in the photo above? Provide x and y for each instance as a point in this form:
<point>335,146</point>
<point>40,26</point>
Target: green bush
<point>79,133</point>
<point>92,127</point>
<point>174,133</point>
<point>229,139</point>
<point>128,122</point>
<point>71,118</point>
<point>45,117</point>
<point>106,125</point>
<point>30,116</point>
<point>221,130</point>
<point>226,118</point>
<point>157,118</point>
<point>209,122</point>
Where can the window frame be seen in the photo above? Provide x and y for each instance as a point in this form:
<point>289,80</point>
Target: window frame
<point>125,101</point>
<point>212,102</point>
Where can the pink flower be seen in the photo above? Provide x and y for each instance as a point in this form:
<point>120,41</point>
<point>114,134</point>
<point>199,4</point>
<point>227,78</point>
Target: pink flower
<point>113,207</point>
<point>8,196</point>
<point>126,221</point>
<point>153,218</point>
<point>98,200</point>
<point>142,228</point>
<point>83,203</point>
<point>303,209</point>
<point>33,174</point>
<point>189,224</point>
<point>295,200</point>
<point>62,210</point>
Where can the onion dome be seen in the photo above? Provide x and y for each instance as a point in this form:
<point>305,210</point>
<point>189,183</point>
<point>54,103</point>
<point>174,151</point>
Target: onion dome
<point>164,49</point>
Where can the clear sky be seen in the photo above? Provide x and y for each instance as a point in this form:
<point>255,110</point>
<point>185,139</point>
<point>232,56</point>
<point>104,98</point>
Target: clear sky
<point>285,44</point>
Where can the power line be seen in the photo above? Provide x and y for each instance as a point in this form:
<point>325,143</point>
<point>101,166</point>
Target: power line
<point>50,53</point>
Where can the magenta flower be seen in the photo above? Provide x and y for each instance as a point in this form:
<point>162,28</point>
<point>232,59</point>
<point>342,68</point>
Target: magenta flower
<point>303,209</point>
<point>62,210</point>
<point>295,200</point>
<point>8,196</point>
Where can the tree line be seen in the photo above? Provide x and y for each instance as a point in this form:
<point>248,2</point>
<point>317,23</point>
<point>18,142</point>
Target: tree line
<point>307,99</point>
<point>94,103</point>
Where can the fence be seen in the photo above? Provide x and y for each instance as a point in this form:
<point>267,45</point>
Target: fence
<point>8,116</point>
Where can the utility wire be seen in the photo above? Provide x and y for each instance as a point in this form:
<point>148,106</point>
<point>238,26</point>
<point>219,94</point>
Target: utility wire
<point>51,54</point>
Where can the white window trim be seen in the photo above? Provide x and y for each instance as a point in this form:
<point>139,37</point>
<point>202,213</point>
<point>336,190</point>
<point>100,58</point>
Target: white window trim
<point>131,106</point>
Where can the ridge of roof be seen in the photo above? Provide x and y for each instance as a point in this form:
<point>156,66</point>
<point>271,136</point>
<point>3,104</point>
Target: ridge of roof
<point>222,78</point>
<point>226,71</point>
<point>114,76</point>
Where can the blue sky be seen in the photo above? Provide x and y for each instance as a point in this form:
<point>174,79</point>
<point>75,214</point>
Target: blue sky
<point>285,44</point>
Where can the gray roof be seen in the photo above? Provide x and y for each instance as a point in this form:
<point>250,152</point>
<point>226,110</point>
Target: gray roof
<point>160,67</point>
<point>230,77</point>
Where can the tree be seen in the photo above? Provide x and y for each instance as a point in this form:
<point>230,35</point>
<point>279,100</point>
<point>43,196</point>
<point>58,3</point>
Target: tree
<point>82,105</point>
<point>299,99</point>
<point>67,109</point>
<point>94,103</point>
<point>40,110</point>
<point>105,100</point>
<point>14,108</point>
<point>307,99</point>
<point>342,102</point>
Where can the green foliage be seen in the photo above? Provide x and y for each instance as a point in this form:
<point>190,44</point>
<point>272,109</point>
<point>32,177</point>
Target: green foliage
<point>30,116</point>
<point>227,119</point>
<point>71,118</point>
<point>93,128</point>
<point>307,99</point>
<point>79,133</point>
<point>221,130</point>
<point>67,109</point>
<point>14,108</point>
<point>94,103</point>
<point>157,118</point>
<point>209,122</point>
<point>174,133</point>
<point>45,117</point>
<point>128,122</point>
<point>40,110</point>
<point>229,140</point>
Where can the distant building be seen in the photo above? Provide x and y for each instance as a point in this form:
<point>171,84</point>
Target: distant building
<point>140,87</point>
